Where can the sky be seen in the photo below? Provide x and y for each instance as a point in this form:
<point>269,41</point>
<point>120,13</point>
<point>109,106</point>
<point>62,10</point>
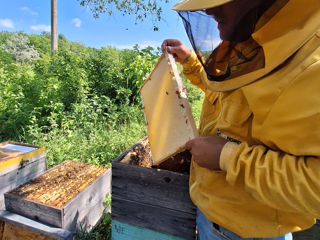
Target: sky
<point>78,24</point>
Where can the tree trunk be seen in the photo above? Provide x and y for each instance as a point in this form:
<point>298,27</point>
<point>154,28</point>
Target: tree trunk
<point>54,36</point>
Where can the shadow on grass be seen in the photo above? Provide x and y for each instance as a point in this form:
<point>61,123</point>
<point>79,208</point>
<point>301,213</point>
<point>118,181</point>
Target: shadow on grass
<point>101,232</point>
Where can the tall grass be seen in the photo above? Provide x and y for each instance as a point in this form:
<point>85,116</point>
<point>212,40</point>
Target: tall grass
<point>96,142</point>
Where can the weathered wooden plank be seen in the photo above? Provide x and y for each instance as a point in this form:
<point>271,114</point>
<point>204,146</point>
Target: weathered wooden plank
<point>33,210</point>
<point>18,176</point>
<point>312,233</point>
<point>21,175</point>
<point>123,231</point>
<point>87,207</point>
<point>152,186</point>
<point>152,199</point>
<point>159,219</point>
<point>16,233</point>
<point>2,223</point>
<point>15,159</point>
<point>17,166</point>
<point>21,223</point>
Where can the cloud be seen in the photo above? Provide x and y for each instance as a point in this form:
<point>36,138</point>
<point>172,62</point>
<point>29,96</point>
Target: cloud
<point>6,23</point>
<point>28,10</point>
<point>153,44</point>
<point>141,45</point>
<point>41,27</point>
<point>121,47</point>
<point>76,22</point>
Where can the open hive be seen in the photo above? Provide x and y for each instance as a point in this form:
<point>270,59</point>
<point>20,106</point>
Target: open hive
<point>10,150</point>
<point>63,196</point>
<point>140,155</point>
<point>18,164</point>
<point>151,202</point>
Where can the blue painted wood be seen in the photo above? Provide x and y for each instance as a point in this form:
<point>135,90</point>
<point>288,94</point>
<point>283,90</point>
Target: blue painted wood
<point>123,231</point>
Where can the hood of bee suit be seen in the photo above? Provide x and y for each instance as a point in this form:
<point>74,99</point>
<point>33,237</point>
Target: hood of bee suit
<point>280,32</point>
<point>194,5</point>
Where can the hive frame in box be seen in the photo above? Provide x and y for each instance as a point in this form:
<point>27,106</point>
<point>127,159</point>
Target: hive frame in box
<point>167,111</point>
<point>150,199</point>
<point>82,211</point>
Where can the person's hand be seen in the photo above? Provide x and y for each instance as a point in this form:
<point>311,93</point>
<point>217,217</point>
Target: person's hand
<point>206,151</point>
<point>179,51</point>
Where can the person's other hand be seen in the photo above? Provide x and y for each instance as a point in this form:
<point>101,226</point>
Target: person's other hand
<point>206,151</point>
<point>179,51</point>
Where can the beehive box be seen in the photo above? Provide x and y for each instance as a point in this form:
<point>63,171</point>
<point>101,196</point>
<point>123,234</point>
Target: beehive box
<point>68,196</point>
<point>17,227</point>
<point>151,203</point>
<point>18,164</point>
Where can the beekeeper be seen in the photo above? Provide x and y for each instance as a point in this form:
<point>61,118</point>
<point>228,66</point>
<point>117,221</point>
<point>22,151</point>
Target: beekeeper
<point>256,169</point>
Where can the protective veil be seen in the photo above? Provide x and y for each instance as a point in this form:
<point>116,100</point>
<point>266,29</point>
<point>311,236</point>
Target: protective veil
<point>230,64</point>
<point>228,59</point>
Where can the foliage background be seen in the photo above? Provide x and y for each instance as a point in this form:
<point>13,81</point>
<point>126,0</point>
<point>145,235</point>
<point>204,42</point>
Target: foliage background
<point>81,103</point>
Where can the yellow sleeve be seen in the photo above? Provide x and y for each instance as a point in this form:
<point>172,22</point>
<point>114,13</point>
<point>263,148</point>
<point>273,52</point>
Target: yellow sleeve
<point>281,180</point>
<point>191,69</point>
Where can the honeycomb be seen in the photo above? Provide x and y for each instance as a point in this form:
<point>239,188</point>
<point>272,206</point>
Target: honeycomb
<point>60,184</point>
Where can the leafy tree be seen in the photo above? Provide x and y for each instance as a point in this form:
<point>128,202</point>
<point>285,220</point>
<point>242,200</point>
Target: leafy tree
<point>139,64</point>
<point>41,43</point>
<point>20,48</point>
<point>140,8</point>
<point>104,68</point>
<point>4,36</point>
<point>73,47</point>
<point>46,34</point>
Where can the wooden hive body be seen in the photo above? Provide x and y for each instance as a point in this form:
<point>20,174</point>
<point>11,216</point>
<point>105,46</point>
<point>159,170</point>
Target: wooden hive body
<point>18,164</point>
<point>68,196</point>
<point>150,203</point>
<point>17,227</point>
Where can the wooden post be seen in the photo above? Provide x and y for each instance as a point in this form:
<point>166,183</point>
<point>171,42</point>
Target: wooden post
<point>54,36</point>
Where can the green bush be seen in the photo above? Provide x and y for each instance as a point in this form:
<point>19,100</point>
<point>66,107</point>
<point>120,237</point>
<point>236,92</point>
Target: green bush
<point>138,66</point>
<point>53,91</point>
<point>81,104</point>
